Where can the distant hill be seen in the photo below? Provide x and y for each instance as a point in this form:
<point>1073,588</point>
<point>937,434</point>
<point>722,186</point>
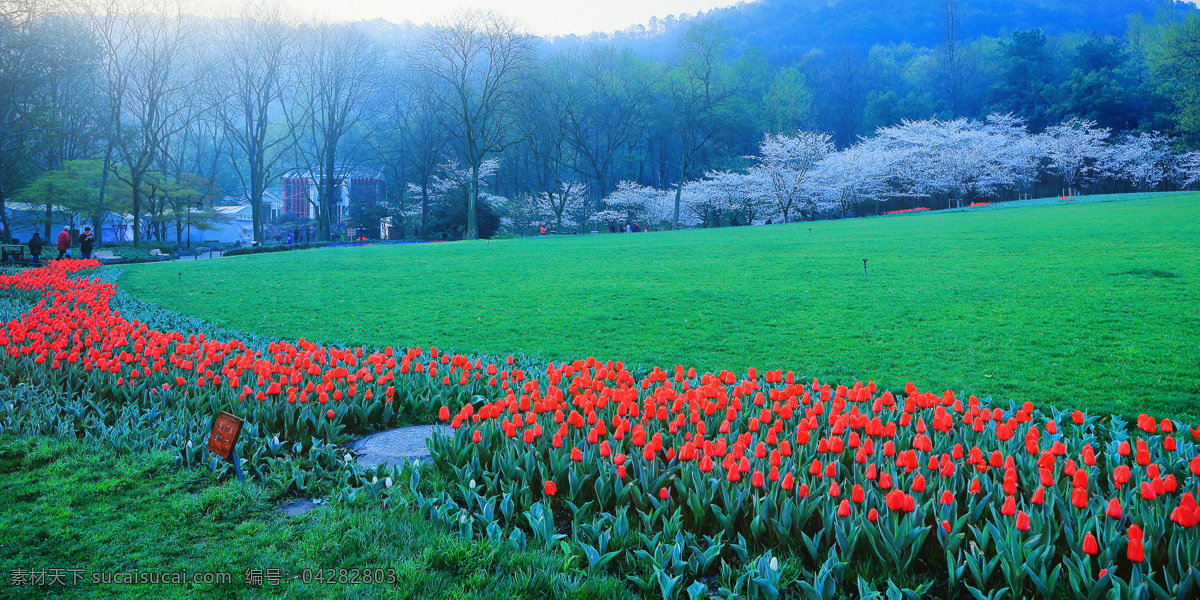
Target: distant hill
<point>784,28</point>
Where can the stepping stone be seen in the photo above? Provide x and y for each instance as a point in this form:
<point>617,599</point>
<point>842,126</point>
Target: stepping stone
<point>395,445</point>
<point>299,507</point>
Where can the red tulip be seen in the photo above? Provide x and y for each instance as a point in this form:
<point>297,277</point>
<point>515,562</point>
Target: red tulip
<point>1114,509</point>
<point>1022,521</point>
<point>1089,544</point>
<point>551,489</point>
<point>1009,508</point>
<point>1135,551</point>
<point>664,493</point>
<point>1079,497</point>
<point>329,414</point>
<point>918,484</point>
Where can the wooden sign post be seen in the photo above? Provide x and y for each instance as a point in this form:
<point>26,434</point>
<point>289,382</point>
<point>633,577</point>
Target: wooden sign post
<point>223,440</point>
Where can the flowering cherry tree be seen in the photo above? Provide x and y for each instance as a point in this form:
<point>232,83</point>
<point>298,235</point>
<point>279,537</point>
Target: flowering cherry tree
<point>958,158</point>
<point>561,203</point>
<point>858,173</point>
<point>739,195</point>
<point>652,205</point>
<point>1187,169</point>
<point>786,163</point>
<point>1143,160</point>
<point>1075,150</point>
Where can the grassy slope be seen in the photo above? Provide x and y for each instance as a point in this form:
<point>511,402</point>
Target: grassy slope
<point>1088,306</point>
<point>70,506</point>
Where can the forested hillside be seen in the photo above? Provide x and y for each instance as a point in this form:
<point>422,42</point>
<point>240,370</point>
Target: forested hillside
<point>783,28</point>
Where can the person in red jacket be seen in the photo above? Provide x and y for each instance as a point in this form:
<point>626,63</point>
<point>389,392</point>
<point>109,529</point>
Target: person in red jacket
<point>64,241</point>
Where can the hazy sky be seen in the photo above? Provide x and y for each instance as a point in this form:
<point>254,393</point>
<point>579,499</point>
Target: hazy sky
<point>542,17</point>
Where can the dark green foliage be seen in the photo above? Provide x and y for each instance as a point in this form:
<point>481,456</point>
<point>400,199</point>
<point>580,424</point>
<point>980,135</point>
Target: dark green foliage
<point>448,219</point>
<point>274,248</point>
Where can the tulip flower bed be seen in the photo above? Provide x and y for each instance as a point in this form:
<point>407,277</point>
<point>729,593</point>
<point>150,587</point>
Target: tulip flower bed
<point>714,483</point>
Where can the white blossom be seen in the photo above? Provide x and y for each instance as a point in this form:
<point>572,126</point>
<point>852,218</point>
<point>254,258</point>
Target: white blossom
<point>1075,150</point>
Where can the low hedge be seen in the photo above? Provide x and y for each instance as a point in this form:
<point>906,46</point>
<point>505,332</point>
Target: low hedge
<point>274,248</point>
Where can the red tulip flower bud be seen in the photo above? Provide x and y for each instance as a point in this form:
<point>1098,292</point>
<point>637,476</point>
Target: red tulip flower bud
<point>1135,552</point>
<point>1114,509</point>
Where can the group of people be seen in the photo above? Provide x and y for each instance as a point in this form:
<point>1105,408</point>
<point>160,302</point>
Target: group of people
<point>630,227</point>
<point>86,241</point>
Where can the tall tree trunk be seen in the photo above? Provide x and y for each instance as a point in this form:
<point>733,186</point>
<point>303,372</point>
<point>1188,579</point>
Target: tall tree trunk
<point>98,214</point>
<point>137,210</point>
<point>472,225</point>
<point>424,206</point>
<point>256,194</point>
<point>679,192</point>
<point>4,215</point>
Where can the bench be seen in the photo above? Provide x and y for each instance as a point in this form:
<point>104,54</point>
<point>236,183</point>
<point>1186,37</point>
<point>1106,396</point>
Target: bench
<point>12,252</point>
<point>105,256</point>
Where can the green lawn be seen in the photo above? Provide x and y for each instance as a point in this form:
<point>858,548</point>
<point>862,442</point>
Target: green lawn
<point>81,510</point>
<point>1083,305</point>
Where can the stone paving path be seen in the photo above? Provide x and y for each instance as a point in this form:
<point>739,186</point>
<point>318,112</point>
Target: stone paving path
<point>299,507</point>
<point>395,445</point>
<point>392,446</point>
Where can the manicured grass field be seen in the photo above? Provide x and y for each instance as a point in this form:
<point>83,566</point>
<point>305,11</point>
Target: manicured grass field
<point>82,510</point>
<point>1081,306</point>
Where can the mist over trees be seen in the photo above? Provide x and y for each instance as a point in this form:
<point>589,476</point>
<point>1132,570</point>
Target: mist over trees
<point>145,112</point>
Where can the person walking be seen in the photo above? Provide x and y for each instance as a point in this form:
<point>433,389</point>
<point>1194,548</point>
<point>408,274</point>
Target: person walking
<point>35,248</point>
<point>64,241</point>
<point>86,241</point>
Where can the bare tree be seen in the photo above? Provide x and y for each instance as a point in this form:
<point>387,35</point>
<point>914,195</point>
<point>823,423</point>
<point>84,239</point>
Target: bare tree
<point>418,120</point>
<point>545,124</point>
<point>337,80</point>
<point>951,59</point>
<point>478,58</point>
<point>147,75</point>
<point>613,97</point>
<point>848,87</point>
<point>702,90</point>
<point>249,87</point>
